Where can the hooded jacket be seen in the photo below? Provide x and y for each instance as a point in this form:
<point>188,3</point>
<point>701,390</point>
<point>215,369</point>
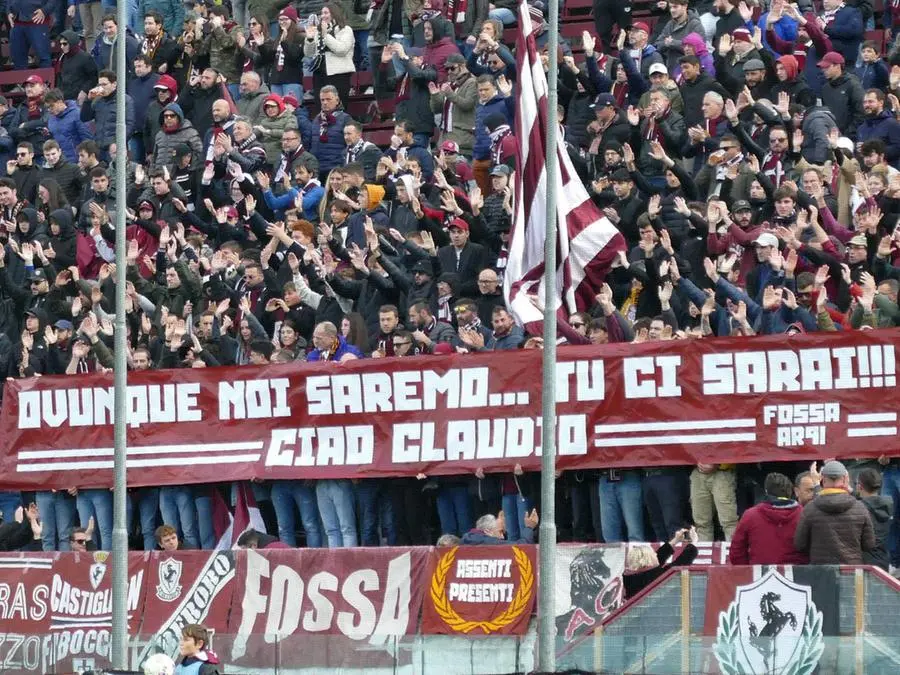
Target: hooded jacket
<point>166,140</point>
<point>817,122</point>
<point>68,130</point>
<point>674,51</point>
<point>63,243</point>
<point>272,128</point>
<point>76,71</point>
<point>441,46</point>
<point>151,119</point>
<point>881,510</point>
<point>797,89</point>
<point>701,52</point>
<point>765,535</point>
<point>835,529</point>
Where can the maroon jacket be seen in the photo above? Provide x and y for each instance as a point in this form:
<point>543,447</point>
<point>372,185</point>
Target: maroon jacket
<point>765,535</point>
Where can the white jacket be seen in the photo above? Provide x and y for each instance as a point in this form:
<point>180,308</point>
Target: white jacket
<point>338,51</point>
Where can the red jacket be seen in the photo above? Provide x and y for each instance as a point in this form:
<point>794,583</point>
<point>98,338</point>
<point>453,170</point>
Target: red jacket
<point>765,535</point>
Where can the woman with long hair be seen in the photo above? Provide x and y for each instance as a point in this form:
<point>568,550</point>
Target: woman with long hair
<point>50,197</point>
<point>284,53</point>
<point>290,339</point>
<point>330,46</point>
<point>353,328</point>
<point>254,47</point>
<point>333,184</point>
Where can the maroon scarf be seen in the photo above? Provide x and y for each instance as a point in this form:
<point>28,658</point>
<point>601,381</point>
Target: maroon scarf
<point>325,120</point>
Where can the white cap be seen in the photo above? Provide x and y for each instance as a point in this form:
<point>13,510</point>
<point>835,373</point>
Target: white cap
<point>657,68</point>
<point>766,239</point>
<point>159,664</point>
<point>845,143</point>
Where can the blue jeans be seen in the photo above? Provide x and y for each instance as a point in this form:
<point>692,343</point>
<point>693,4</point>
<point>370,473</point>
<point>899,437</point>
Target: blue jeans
<point>205,529</point>
<point>890,487</point>
<point>374,504</point>
<point>664,494</point>
<point>9,502</point>
<point>514,509</point>
<point>505,16</point>
<point>361,50</point>
<point>97,503</point>
<point>176,503</point>
<point>23,38</point>
<point>287,493</point>
<point>57,511</point>
<point>622,508</point>
<point>422,140</point>
<point>285,89</point>
<point>147,499</point>
<point>136,149</point>
<point>454,511</point>
<point>336,506</point>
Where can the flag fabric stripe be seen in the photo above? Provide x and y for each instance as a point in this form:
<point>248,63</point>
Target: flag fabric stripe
<point>246,516</point>
<point>588,242</point>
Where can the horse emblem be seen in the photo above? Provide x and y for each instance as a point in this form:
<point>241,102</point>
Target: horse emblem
<point>771,628</point>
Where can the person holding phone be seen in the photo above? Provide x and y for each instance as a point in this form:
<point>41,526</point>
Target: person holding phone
<point>330,46</point>
<point>643,565</point>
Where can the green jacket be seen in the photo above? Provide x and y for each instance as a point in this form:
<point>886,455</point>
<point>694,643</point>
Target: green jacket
<point>173,298</point>
<point>269,131</point>
<point>220,45</point>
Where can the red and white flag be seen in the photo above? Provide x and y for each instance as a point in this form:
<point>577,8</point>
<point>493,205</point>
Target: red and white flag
<point>587,242</point>
<point>246,516</point>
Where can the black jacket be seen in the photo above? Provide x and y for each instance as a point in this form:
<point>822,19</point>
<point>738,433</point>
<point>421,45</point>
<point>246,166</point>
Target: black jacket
<point>843,96</point>
<point>77,70</point>
<point>638,581</point>
<point>472,259</point>
<point>880,511</point>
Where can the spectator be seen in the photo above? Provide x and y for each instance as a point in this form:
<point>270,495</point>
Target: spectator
<point>259,540</point>
<point>104,52</point>
<point>30,22</point>
<point>765,533</point>
<point>194,649</point>
<point>835,528</point>
<point>489,530</point>
<point>75,70</point>
<point>330,46</point>
<point>881,509</point>
<point>643,565</point>
<point>100,107</point>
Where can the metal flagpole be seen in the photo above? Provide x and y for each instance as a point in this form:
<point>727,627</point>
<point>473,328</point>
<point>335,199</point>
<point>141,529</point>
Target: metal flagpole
<point>120,531</point>
<point>547,559</point>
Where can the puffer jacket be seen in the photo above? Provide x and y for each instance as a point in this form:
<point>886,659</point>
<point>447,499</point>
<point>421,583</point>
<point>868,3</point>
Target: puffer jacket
<point>223,51</point>
<point>271,129</point>
<point>103,112</point>
<point>167,140</point>
<point>881,510</point>
<point>835,529</point>
<point>76,70</point>
<point>765,535</point>
<point>152,121</point>
<point>68,176</point>
<point>843,96</point>
<point>338,51</point>
<point>462,113</point>
<point>68,130</point>
<point>332,150</point>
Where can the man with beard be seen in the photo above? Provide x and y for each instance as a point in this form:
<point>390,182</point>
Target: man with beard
<point>627,207</point>
<point>455,100</point>
<point>200,101</point>
<point>879,124</point>
<point>428,331</point>
<point>161,49</point>
<point>388,324</point>
<point>24,172</point>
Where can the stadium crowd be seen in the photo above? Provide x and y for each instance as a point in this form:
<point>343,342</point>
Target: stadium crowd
<point>748,155</point>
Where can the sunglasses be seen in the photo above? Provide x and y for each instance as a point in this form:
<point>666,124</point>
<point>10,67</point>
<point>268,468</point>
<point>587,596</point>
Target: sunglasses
<point>400,344</point>
<point>79,541</point>
<point>21,154</point>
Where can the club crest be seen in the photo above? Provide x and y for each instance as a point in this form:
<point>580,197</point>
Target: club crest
<point>168,588</point>
<point>771,627</point>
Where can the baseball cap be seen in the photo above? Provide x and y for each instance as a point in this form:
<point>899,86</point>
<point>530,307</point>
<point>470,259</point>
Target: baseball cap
<point>499,170</point>
<point>640,25</point>
<point>754,64</point>
<point>658,68</point>
<point>38,275</point>
<point>604,101</point>
<point>766,239</point>
<point>459,224</point>
<point>450,147</point>
<point>231,212</point>
<point>146,204</point>
<point>34,79</point>
<point>423,266</point>
<point>62,324</point>
<point>831,59</point>
<point>858,240</point>
<point>741,205</point>
<point>834,469</point>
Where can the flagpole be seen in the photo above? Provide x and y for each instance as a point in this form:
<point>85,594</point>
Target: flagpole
<point>547,551</point>
<point>119,652</point>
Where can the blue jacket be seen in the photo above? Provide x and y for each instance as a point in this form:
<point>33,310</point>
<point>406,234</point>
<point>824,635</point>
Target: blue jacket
<point>141,91</point>
<point>482,147</point>
<point>285,200</point>
<point>103,112</point>
<point>846,33</point>
<point>23,9</point>
<point>172,13</point>
<point>481,538</point>
<point>885,128</point>
<point>785,28</point>
<point>874,75</point>
<point>104,54</point>
<point>68,130</point>
<point>330,152</point>
<point>342,349</point>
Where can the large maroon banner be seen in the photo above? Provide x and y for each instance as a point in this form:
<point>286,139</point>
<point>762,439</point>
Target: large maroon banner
<point>660,403</point>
